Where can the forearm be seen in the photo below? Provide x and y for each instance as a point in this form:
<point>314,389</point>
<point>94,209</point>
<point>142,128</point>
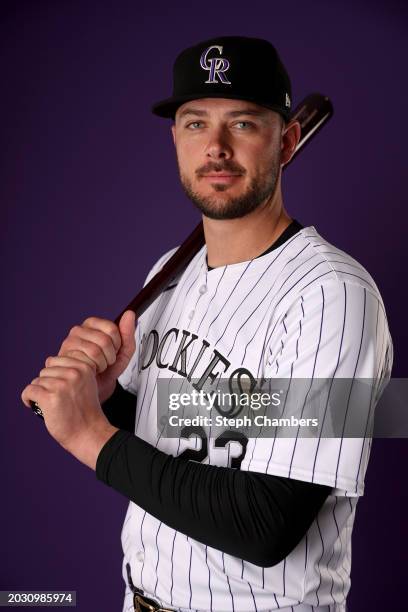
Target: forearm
<point>87,445</point>
<point>256,517</point>
<point>119,411</point>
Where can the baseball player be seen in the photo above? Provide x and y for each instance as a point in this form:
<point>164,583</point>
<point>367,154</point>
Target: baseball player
<point>227,521</point>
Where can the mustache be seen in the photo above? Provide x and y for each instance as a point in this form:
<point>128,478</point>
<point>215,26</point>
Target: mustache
<point>226,166</point>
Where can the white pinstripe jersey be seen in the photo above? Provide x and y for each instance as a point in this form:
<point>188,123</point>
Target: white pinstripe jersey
<point>305,309</point>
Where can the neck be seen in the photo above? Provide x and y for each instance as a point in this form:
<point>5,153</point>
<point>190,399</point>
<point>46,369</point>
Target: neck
<point>232,241</point>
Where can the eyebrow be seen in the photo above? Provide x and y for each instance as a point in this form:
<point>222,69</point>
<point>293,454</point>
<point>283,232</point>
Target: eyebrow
<point>236,113</point>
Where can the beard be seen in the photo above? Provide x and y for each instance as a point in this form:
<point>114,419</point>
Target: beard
<point>260,189</point>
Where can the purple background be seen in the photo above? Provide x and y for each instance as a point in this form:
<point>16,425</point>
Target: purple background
<point>90,199</point>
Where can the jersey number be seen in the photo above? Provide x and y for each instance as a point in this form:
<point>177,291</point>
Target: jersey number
<point>199,454</point>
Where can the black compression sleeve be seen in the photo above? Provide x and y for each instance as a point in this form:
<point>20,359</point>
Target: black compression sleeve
<point>256,517</point>
<point>120,409</point>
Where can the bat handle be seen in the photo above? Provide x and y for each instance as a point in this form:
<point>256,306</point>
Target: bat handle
<point>37,410</point>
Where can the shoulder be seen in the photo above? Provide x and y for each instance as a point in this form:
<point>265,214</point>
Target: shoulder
<point>158,265</point>
<point>312,263</point>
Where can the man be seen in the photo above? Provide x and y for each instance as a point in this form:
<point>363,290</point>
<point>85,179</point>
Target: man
<point>229,522</point>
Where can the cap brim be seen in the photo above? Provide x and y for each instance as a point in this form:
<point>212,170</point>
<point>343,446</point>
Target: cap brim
<point>167,108</point>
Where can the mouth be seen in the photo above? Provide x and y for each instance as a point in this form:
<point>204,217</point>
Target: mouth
<point>221,178</point>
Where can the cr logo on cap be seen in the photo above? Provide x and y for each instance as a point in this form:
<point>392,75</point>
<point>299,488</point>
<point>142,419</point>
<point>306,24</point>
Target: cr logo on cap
<point>217,66</point>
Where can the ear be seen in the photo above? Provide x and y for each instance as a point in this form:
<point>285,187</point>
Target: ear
<point>173,131</point>
<point>290,139</point>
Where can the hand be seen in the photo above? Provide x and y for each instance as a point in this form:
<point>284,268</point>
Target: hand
<point>105,346</point>
<point>67,392</point>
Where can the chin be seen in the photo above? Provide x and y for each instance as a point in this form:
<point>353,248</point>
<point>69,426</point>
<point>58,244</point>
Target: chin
<point>217,191</point>
<point>221,209</point>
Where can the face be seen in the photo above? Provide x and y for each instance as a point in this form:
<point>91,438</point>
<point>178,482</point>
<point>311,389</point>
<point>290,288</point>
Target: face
<point>229,155</point>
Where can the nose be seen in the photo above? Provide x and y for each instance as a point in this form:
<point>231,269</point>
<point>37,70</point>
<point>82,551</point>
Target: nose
<point>218,146</point>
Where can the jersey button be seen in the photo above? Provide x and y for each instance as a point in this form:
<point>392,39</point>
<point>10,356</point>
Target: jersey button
<point>140,556</point>
<point>191,314</point>
<point>203,289</point>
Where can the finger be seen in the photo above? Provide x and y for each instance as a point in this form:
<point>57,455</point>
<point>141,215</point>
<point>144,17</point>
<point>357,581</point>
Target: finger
<point>107,327</point>
<point>104,341</point>
<point>68,373</point>
<point>34,393</point>
<point>92,350</point>
<point>47,381</point>
<point>67,367</point>
<point>127,325</point>
<point>79,355</point>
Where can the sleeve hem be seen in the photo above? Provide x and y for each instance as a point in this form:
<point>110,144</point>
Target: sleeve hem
<point>126,385</point>
<point>341,485</point>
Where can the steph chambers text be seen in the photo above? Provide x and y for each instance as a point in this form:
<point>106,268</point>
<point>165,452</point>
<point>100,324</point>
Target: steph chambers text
<point>239,422</point>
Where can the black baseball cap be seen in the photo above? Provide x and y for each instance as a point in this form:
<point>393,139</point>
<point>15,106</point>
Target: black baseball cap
<point>237,67</point>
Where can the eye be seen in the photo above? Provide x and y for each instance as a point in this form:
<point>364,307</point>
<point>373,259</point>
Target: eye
<point>194,125</point>
<point>243,125</point>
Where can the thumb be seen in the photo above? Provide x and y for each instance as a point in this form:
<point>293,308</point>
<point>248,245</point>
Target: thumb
<point>127,326</point>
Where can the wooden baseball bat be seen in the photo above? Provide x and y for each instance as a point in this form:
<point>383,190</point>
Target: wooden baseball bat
<point>312,114</point>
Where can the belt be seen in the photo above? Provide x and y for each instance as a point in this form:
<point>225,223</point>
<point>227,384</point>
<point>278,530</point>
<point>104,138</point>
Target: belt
<point>141,603</point>
<point>145,604</point>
